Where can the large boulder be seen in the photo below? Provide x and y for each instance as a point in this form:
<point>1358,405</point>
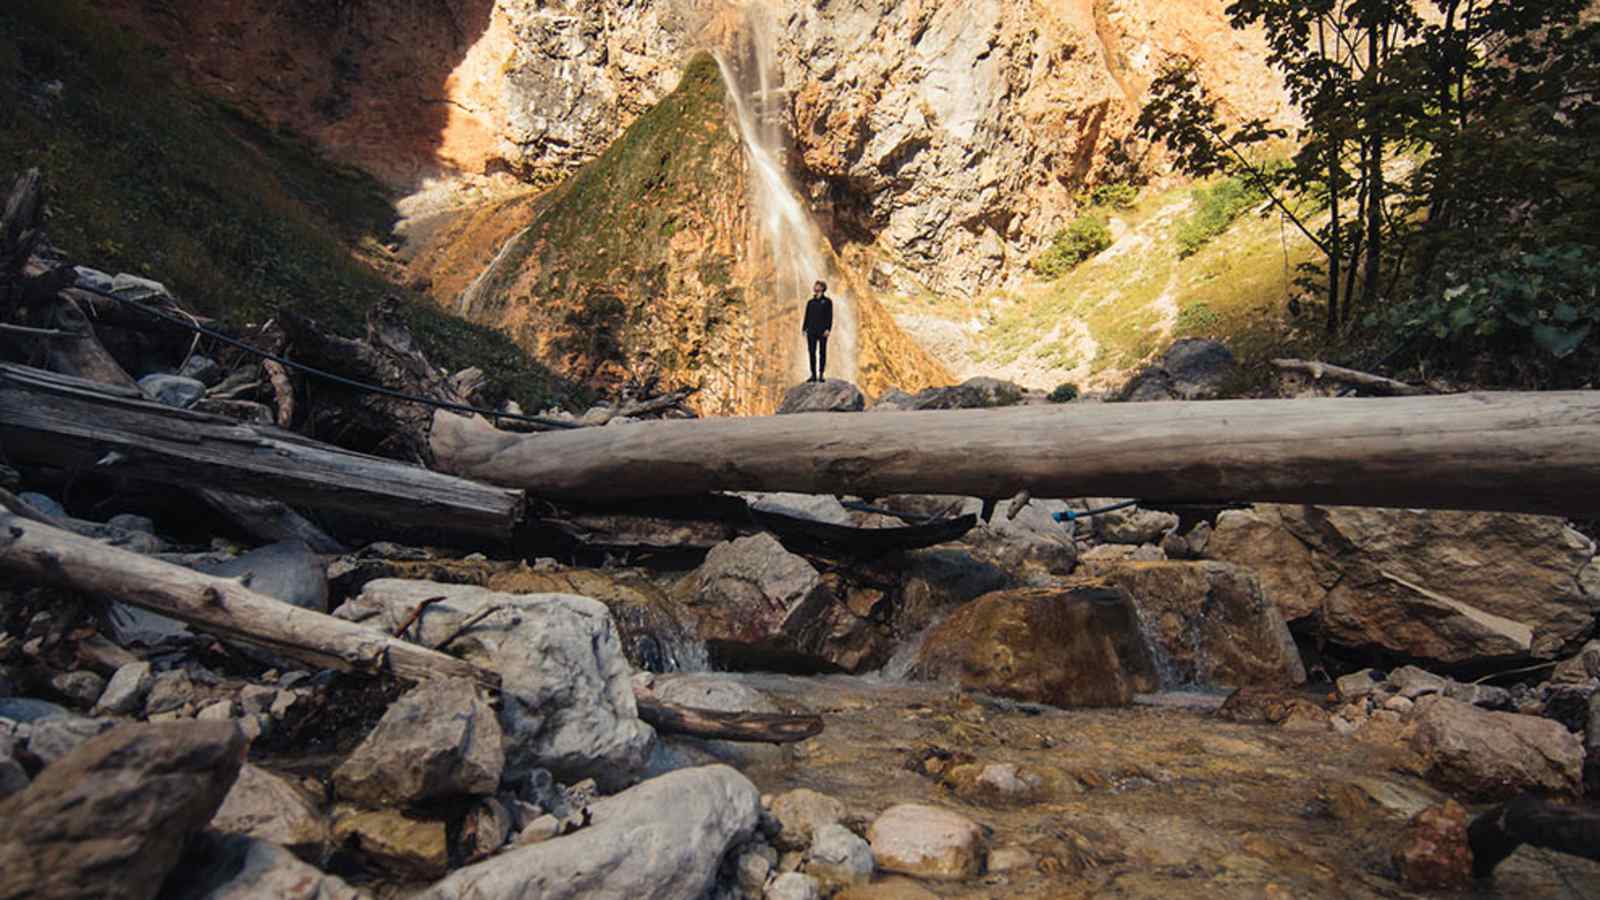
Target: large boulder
<point>939,579</point>
<point>438,742</point>
<point>1447,586</point>
<point>236,867</point>
<point>1492,756</point>
<point>262,805</point>
<point>1191,369</point>
<point>755,602</point>
<point>832,395</point>
<point>288,571</point>
<point>1210,622</point>
<point>110,820</point>
<point>1030,547</point>
<point>661,840</point>
<point>566,701</point>
<point>654,636</point>
<point>1067,646</point>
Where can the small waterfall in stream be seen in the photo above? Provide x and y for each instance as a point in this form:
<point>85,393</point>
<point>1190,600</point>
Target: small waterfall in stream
<point>792,238</point>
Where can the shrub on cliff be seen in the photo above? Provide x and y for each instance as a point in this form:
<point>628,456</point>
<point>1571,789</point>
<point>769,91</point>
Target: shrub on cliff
<point>1086,236</point>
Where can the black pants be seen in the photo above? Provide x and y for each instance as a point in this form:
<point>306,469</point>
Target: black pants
<point>817,353</point>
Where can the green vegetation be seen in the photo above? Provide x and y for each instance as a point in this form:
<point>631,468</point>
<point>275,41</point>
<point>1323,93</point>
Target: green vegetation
<point>1086,236</point>
<point>1119,195</point>
<point>1064,393</point>
<point>238,220</point>
<point>1196,320</point>
<point>1448,161</point>
<point>1215,208</point>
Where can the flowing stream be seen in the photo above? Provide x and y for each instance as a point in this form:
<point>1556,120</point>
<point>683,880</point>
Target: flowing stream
<point>790,233</point>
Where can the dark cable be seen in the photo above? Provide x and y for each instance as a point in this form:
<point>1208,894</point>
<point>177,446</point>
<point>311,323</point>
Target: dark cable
<point>338,379</point>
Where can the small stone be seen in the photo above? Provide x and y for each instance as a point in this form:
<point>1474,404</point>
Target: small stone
<point>283,703</point>
<point>290,679</point>
<point>753,869</point>
<point>540,830</point>
<point>800,813</point>
<point>1398,704</point>
<point>203,369</point>
<point>220,711</point>
<point>485,829</point>
<point>1007,859</point>
<point>794,886</point>
<point>256,698</point>
<point>82,687</point>
<point>266,807</point>
<point>927,842</point>
<point>172,390</point>
<point>840,857</point>
<point>126,691</point>
<point>43,504</point>
<point>169,691</point>
<point>1411,682</point>
<point>1434,853</point>
<point>131,522</point>
<point>791,861</point>
<point>253,727</point>
<point>1357,684</point>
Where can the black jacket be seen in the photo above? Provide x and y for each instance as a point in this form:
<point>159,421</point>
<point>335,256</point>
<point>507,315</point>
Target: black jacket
<point>819,315</point>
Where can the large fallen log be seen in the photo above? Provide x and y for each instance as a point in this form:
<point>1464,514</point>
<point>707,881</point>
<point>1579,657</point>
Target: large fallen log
<point>1519,452</point>
<point>65,422</point>
<point>50,556</point>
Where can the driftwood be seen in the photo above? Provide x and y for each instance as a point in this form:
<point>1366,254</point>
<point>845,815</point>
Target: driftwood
<point>1531,820</point>
<point>268,520</point>
<point>1376,384</point>
<point>1517,452</point>
<point>771,728</point>
<point>222,606</point>
<point>55,420</point>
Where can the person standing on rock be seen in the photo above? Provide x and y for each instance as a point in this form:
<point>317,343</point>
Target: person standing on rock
<point>817,326</point>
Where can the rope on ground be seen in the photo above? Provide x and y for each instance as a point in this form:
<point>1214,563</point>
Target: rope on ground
<point>1073,515</point>
<point>199,329</point>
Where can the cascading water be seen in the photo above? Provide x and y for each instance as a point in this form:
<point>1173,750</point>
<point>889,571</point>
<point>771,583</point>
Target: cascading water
<point>792,238</point>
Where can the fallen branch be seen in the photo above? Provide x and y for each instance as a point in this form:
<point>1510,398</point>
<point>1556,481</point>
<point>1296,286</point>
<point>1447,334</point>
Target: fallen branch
<point>1531,820</point>
<point>770,728</point>
<point>222,606</point>
<point>1377,384</point>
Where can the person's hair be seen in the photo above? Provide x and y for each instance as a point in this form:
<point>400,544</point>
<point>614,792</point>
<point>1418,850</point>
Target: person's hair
<point>821,284</point>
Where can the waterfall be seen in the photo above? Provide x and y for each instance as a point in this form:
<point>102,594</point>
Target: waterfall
<point>792,238</point>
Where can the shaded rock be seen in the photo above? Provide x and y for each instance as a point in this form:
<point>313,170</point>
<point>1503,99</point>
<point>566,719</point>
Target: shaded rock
<point>1191,369</point>
<point>82,687</point>
<point>839,856</point>
<point>975,393</point>
<point>927,842</point>
<point>44,504</point>
<point>1073,646</point>
<point>485,829</point>
<point>1495,755</point>
<point>1579,668</point>
<point>939,579</point>
<point>27,709</point>
<point>821,507</point>
<point>753,596</point>
<point>1133,525</point>
<point>132,522</point>
<point>567,699</point>
<point>1210,622</point>
<point>56,737</point>
<point>393,840</point>
<point>800,813</point>
<point>1032,547</point>
<point>1434,853</point>
<point>1411,682</point>
<point>170,690</point>
<point>237,867</point>
<point>832,395</point>
<point>172,390</point>
<point>111,819</point>
<point>13,777</point>
<point>288,570</point>
<point>1485,695</point>
<point>203,369</point>
<point>655,638</point>
<point>437,742</point>
<point>661,840</point>
<point>794,886</point>
<point>1270,706</point>
<point>127,689</point>
<point>1356,685</point>
<point>265,807</point>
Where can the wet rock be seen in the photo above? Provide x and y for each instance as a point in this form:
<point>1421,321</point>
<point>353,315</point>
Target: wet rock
<point>265,807</point>
<point>751,595</point>
<point>82,687</point>
<point>1434,853</point>
<point>172,390</point>
<point>391,840</point>
<point>288,571</point>
<point>1411,682</point>
<point>794,886</point>
<point>567,699</point>
<point>1495,755</point>
<point>663,839</point>
<point>437,742</point>
<point>1271,706</point>
<point>1448,586</point>
<point>1191,369</point>
<point>1211,623</point>
<point>1074,646</point>
<point>126,691</point>
<point>1365,802</point>
<point>110,820</point>
<point>800,814</point>
<point>236,867</point>
<point>832,395</point>
<point>838,856</point>
<point>1133,525</point>
<point>927,842</point>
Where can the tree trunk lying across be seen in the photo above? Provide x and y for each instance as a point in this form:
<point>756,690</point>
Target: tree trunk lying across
<point>222,606</point>
<point>1377,384</point>
<point>1518,452</point>
<point>770,728</point>
<point>56,420</point>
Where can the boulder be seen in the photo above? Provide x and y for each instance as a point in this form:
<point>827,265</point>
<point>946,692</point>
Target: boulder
<point>126,691</point>
<point>567,699</point>
<point>236,867</point>
<point>752,597</point>
<point>1132,525</point>
<point>1191,369</point>
<point>1439,585</point>
<point>82,687</point>
<point>110,820</point>
<point>661,840</point>
<point>1273,706</point>
<point>1069,646</point>
<point>288,571</point>
<point>927,842</point>
<point>1434,854</point>
<point>800,814</point>
<point>438,742</point>
<point>1490,756</point>
<point>1209,623</point>
<point>172,390</point>
<point>265,807</point>
<point>394,841</point>
<point>839,856</point>
<point>654,635</point>
<point>832,395</point>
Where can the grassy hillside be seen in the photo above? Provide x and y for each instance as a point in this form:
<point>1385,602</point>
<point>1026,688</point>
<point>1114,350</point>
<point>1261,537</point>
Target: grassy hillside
<point>149,177</point>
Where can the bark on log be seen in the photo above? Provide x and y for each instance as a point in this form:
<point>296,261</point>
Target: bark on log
<point>269,520</point>
<point>770,728</point>
<point>222,606</point>
<point>54,420</point>
<point>1531,820</point>
<point>1377,384</point>
<point>1517,452</point>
